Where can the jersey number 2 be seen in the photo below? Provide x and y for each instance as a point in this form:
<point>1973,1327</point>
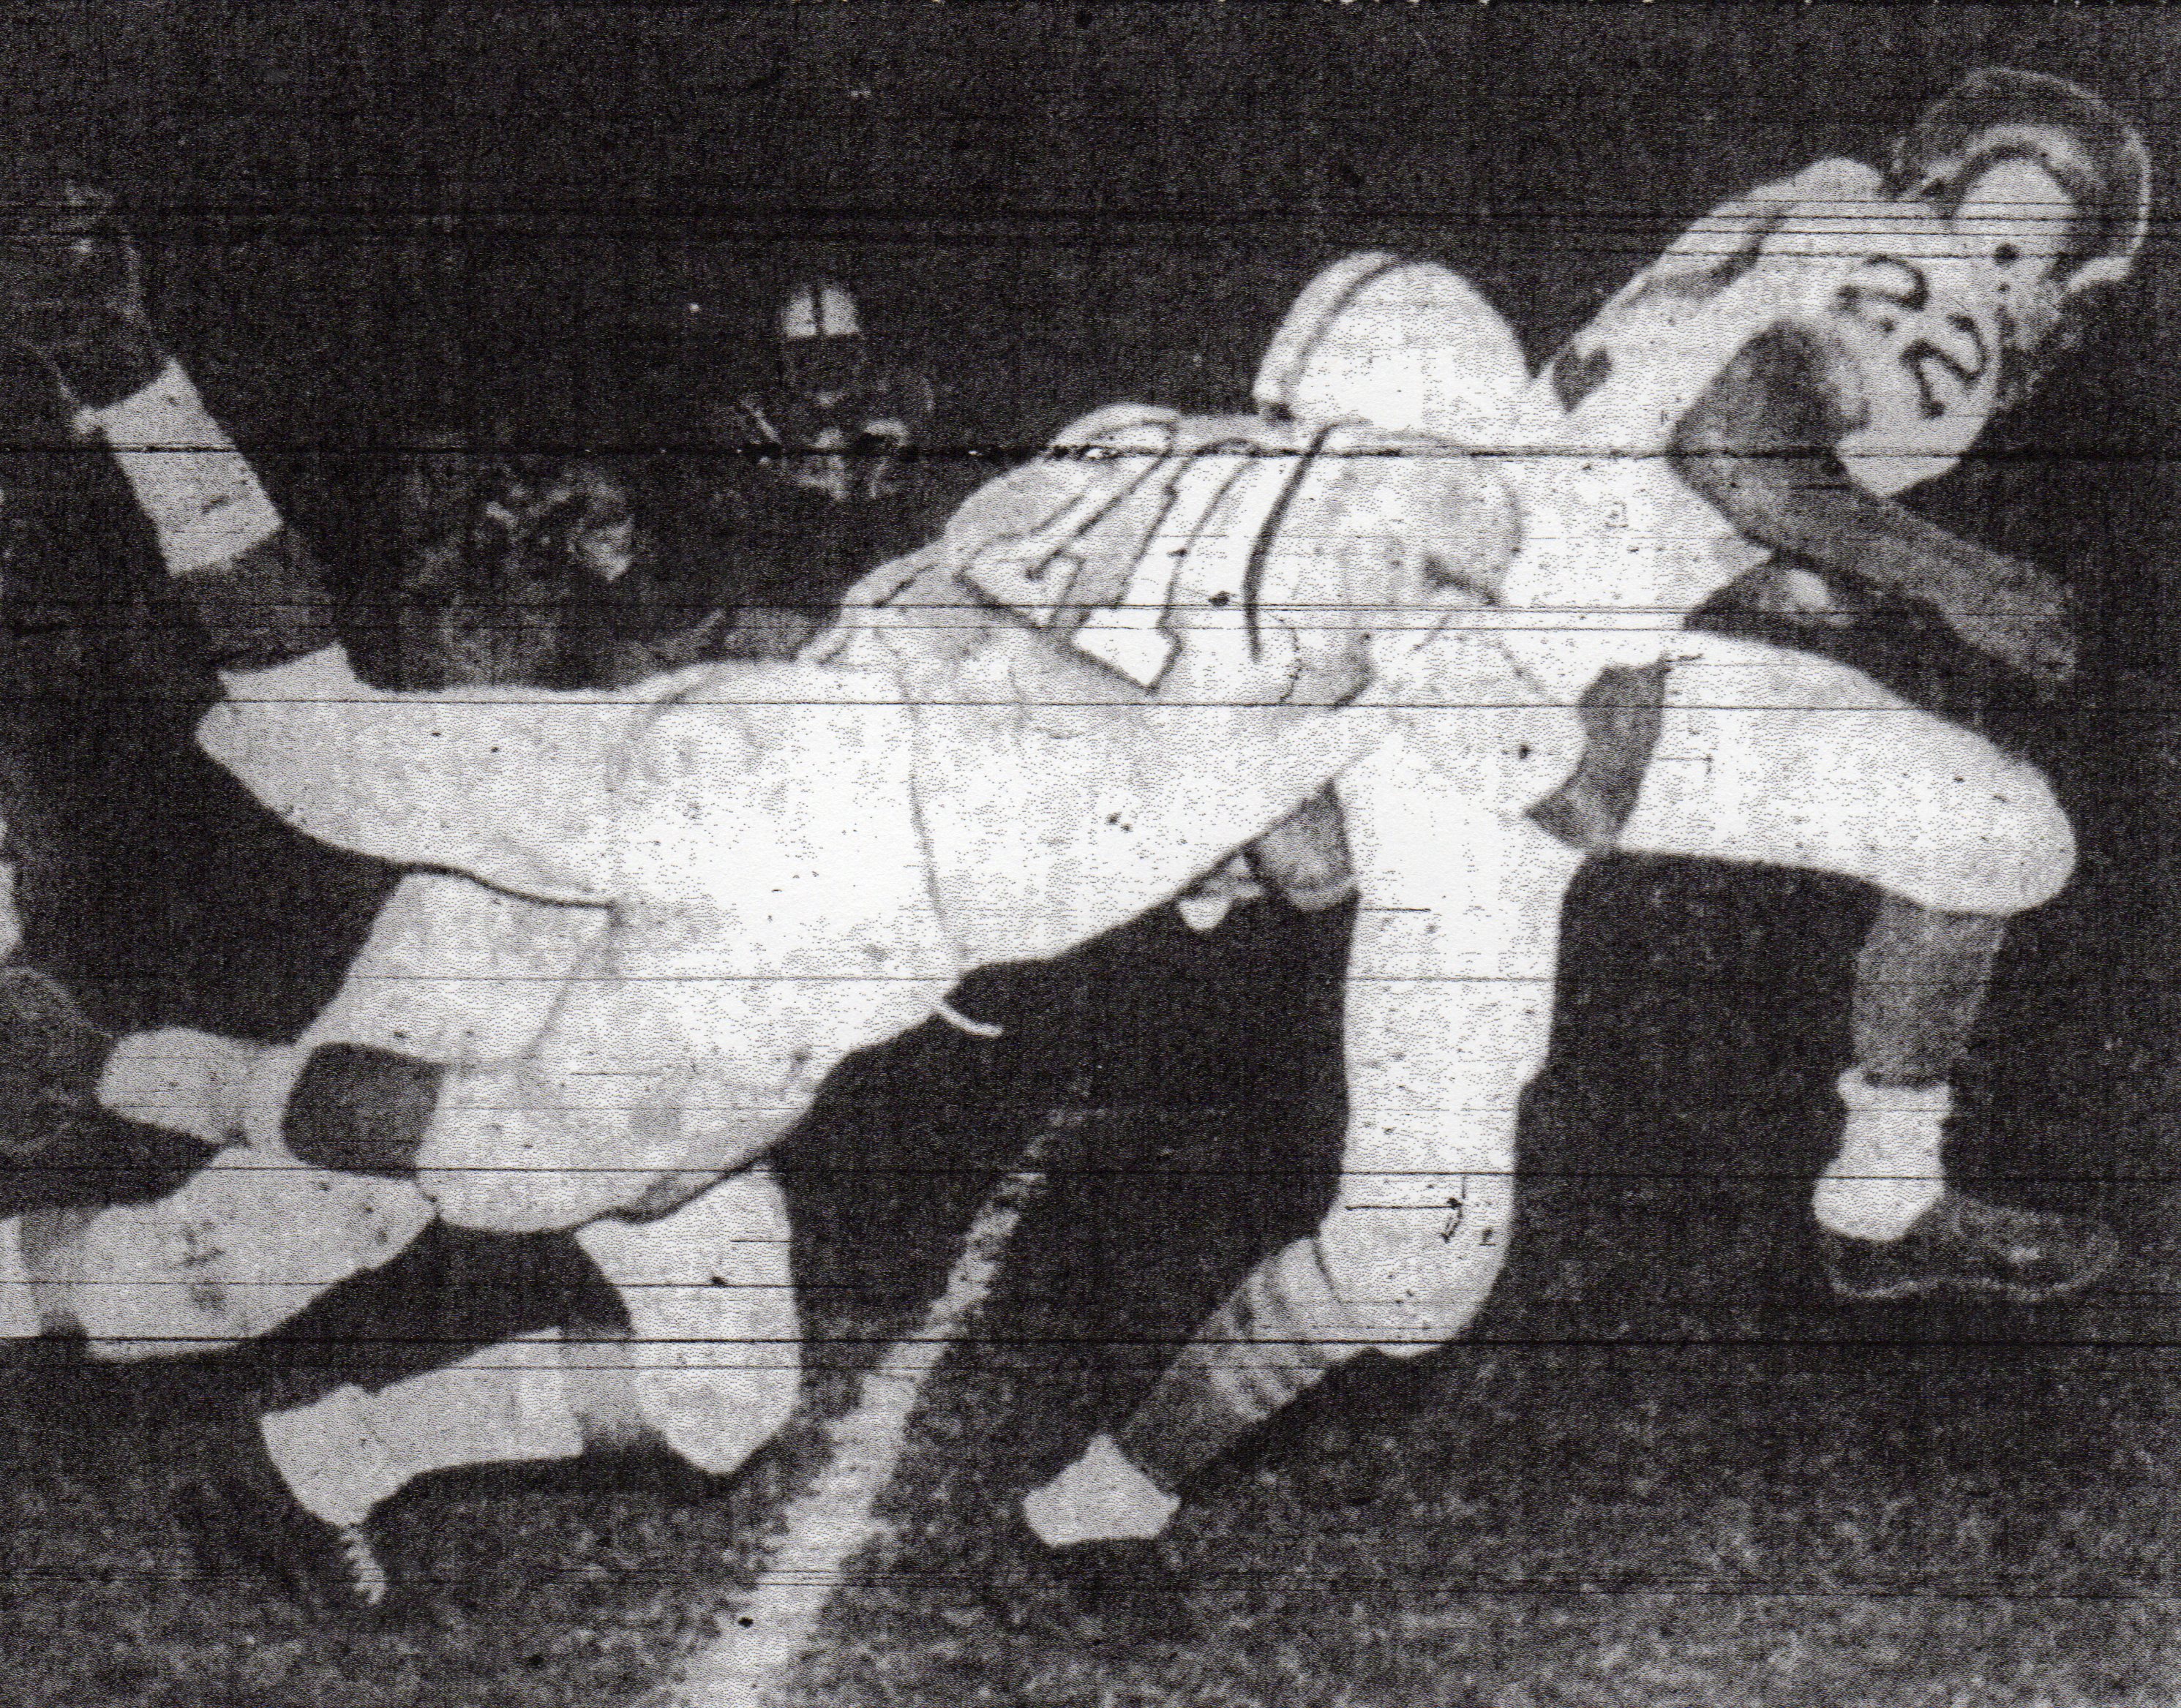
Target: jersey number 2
<point>1103,569</point>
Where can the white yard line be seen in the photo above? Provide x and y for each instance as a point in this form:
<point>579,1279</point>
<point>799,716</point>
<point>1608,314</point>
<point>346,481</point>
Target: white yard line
<point>836,1519</point>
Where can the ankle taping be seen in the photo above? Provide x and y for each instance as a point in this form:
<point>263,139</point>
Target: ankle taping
<point>203,498</point>
<point>20,1319</point>
<point>1890,1168</point>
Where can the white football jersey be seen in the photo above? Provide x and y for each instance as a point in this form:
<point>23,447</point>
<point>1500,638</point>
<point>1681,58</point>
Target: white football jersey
<point>1144,649</point>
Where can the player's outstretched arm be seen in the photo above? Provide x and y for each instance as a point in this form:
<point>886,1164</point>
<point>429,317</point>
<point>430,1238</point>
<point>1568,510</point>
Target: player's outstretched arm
<point>1759,445</point>
<point>507,786</point>
<point>71,293</point>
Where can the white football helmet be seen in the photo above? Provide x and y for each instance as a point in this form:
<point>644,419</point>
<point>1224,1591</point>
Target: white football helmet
<point>1405,345</point>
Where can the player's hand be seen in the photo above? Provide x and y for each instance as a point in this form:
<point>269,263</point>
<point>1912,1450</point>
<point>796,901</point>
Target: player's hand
<point>71,283</point>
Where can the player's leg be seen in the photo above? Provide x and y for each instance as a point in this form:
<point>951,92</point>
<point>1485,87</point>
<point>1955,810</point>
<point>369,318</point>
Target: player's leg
<point>1892,1227</point>
<point>452,973</point>
<point>87,1121</point>
<point>1766,757</point>
<point>692,1038</point>
<point>616,1101</point>
<point>687,1043</point>
<point>708,1364</point>
<point>684,1051</point>
<point>1920,981</point>
<point>685,1040</point>
<point>1782,757</point>
<point>769,929</point>
<point>1449,1012</point>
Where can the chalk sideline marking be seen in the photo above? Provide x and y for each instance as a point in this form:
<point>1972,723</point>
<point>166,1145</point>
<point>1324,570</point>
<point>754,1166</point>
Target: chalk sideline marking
<point>836,1519</point>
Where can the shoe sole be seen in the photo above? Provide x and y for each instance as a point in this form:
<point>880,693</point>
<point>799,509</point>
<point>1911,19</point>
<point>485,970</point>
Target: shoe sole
<point>2013,1292</point>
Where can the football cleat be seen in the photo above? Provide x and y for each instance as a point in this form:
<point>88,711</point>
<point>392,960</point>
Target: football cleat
<point>246,1520</point>
<point>71,282</point>
<point>1963,1246</point>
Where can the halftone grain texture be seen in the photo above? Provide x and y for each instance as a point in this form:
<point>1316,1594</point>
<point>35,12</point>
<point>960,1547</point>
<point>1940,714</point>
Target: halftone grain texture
<point>827,1526</point>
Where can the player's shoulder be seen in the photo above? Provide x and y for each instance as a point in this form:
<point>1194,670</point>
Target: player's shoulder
<point>1201,555</point>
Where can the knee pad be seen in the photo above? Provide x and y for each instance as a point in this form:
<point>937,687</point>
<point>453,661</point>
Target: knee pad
<point>2016,851</point>
<point>2042,843</point>
<point>714,1340</point>
<point>1413,1273</point>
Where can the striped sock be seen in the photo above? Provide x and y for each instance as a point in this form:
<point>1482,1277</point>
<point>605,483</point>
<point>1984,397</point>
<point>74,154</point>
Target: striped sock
<point>1278,1336</point>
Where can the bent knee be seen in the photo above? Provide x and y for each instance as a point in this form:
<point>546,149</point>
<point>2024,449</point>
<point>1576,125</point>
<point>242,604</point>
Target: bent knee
<point>1413,1276</point>
<point>2048,842</point>
<point>2017,855</point>
<point>715,1419</point>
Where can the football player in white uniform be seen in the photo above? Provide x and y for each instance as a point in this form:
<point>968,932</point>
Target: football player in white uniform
<point>2049,191</point>
<point>1371,339</point>
<point>2018,193</point>
<point>1117,666</point>
<point>705,974</point>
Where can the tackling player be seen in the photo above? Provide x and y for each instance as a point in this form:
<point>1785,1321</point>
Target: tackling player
<point>2015,194</point>
<point>1116,667</point>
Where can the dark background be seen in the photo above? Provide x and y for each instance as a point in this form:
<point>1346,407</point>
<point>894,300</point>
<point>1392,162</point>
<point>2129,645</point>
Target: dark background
<point>365,217</point>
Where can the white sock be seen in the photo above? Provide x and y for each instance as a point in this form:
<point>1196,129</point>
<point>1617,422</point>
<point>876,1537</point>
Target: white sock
<point>11,922</point>
<point>343,1455</point>
<point>1100,1498</point>
<point>203,499</point>
<point>1888,1170</point>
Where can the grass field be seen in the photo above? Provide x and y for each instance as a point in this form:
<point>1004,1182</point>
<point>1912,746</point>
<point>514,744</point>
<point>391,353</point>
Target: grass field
<point>1666,1467</point>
